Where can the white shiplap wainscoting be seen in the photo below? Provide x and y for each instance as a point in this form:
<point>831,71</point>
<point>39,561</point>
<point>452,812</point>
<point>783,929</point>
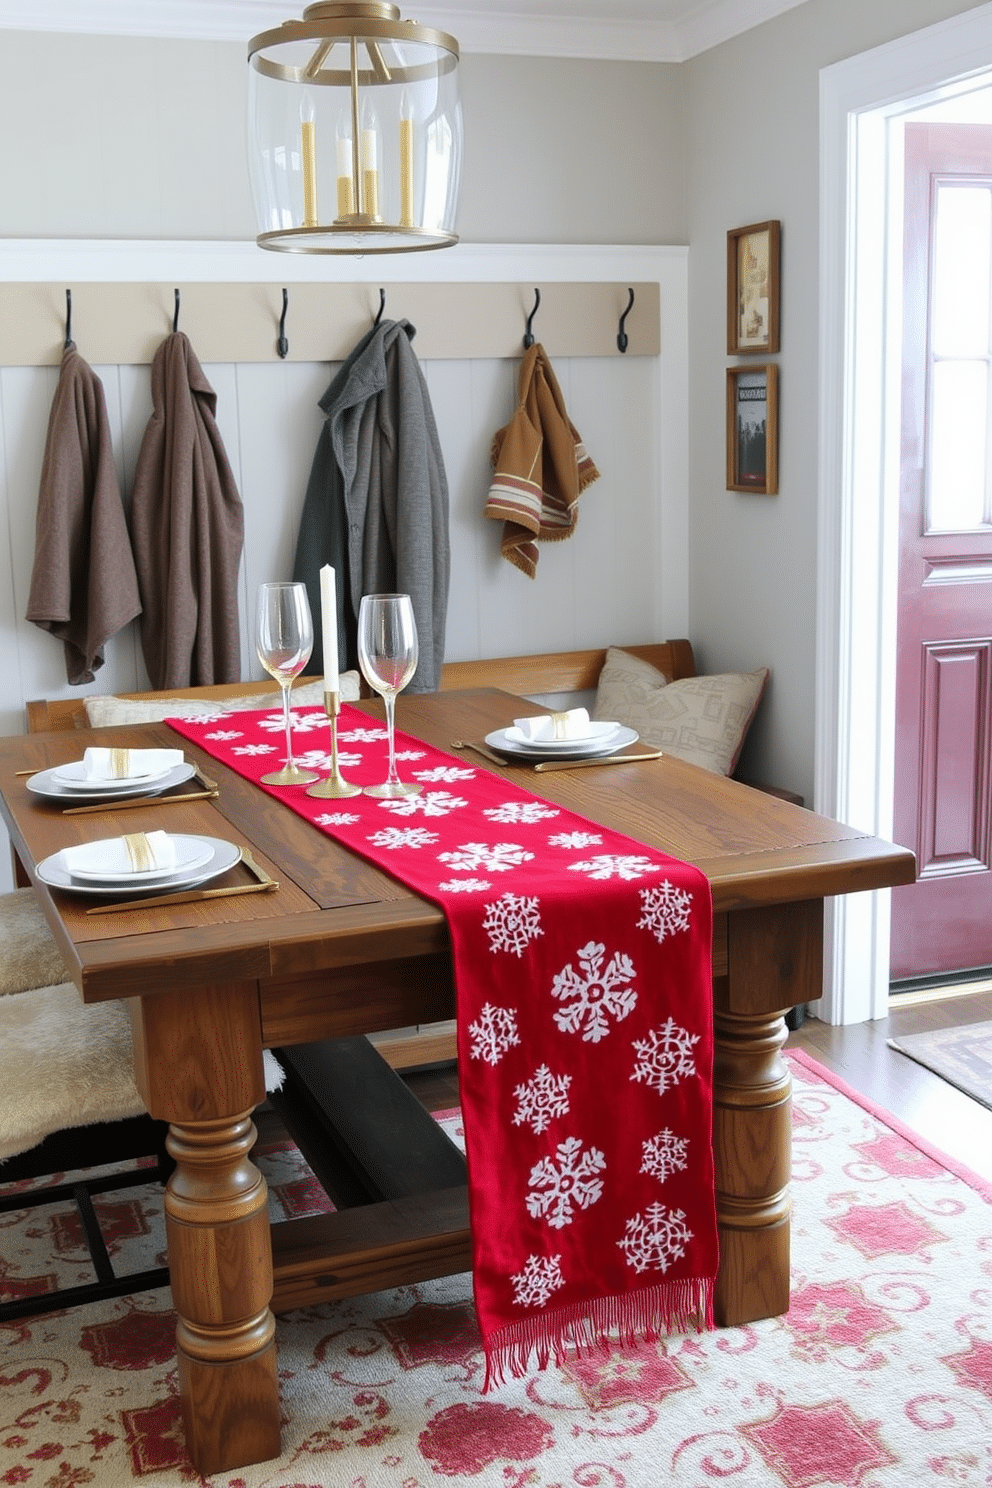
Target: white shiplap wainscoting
<point>621,578</point>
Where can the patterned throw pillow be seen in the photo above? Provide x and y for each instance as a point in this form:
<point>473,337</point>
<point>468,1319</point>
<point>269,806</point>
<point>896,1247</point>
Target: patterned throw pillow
<point>700,719</point>
<point>109,712</point>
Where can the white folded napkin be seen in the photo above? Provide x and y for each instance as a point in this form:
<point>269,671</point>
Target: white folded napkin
<point>126,764</point>
<point>572,724</point>
<point>138,852</point>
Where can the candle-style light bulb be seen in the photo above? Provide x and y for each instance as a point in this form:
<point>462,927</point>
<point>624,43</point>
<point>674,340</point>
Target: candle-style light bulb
<point>308,139</point>
<point>346,184</point>
<point>370,158</point>
<point>406,158</point>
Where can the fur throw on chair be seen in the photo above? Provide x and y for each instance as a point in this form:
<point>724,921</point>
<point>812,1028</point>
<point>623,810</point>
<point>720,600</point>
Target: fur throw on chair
<point>29,956</point>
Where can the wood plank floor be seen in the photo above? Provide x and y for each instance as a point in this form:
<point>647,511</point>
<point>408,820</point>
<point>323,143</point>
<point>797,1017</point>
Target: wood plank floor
<point>958,1126</point>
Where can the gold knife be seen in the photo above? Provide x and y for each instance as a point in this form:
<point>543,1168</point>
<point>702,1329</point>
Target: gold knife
<point>608,759</point>
<point>264,885</point>
<point>130,803</point>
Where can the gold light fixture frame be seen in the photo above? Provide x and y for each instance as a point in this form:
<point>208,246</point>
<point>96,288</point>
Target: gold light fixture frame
<point>330,25</point>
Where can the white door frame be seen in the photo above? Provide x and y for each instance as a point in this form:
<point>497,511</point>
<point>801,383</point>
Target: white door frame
<point>861,101</point>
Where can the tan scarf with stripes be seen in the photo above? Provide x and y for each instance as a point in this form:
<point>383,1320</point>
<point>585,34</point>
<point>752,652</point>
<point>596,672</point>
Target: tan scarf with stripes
<point>540,467</point>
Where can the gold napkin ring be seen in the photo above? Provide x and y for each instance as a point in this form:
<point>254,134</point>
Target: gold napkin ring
<point>120,763</point>
<point>559,725</point>
<point>139,851</point>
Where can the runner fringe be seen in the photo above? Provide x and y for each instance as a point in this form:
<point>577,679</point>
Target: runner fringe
<point>603,1323</point>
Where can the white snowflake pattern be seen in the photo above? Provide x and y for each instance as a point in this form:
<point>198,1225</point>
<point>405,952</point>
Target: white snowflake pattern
<point>512,922</point>
<point>207,720</point>
<point>431,803</point>
<point>493,1032</point>
<point>300,723</point>
<point>362,735</point>
<point>465,886</point>
<point>410,754</point>
<point>394,837</point>
<point>664,1154</point>
<point>543,1097</point>
<point>558,1187</point>
<point>599,992</point>
<point>655,1238</point>
<point>666,910</point>
<point>520,811</point>
<point>575,839</point>
<point>615,865</point>
<point>541,1276</point>
<point>337,819</point>
<point>220,734</point>
<point>254,749</point>
<point>499,857</point>
<point>665,1056</point>
<point>321,759</point>
<point>315,759</point>
<point>444,772</point>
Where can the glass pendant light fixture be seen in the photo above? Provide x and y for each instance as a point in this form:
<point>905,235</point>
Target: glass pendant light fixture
<point>354,132</point>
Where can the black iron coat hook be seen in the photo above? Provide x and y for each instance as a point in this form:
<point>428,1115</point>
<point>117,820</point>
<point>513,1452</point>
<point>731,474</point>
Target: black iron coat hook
<point>382,306</point>
<point>282,345</point>
<point>69,344</point>
<point>528,334</point>
<point>622,334</point>
<point>175,315</point>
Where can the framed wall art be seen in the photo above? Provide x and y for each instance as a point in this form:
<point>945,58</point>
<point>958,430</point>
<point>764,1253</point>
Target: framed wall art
<point>753,289</point>
<point>752,429</point>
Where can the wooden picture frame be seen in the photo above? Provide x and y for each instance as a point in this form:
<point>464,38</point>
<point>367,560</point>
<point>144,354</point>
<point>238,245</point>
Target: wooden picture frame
<point>753,292</point>
<point>752,429</point>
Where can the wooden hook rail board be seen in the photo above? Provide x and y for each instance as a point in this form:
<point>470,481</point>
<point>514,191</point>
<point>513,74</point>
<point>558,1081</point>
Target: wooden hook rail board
<point>123,324</point>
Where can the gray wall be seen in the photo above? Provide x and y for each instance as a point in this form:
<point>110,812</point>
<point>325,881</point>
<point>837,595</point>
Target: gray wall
<point>753,153</point>
<point>133,138</point>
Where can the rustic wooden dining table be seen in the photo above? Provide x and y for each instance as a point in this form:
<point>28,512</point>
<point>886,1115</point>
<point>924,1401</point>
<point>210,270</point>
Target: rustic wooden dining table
<point>341,949</point>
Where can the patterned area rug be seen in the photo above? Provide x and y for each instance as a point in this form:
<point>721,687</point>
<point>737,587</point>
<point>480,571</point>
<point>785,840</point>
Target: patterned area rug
<point>961,1056</point>
<point>880,1376</point>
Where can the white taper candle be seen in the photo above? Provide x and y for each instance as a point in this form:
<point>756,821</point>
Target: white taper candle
<point>329,628</point>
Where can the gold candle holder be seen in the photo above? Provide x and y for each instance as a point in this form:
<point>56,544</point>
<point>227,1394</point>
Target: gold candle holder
<point>335,785</point>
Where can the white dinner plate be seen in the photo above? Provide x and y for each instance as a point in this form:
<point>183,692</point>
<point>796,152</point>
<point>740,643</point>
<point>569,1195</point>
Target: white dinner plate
<point>191,853</point>
<point>73,777</point>
<point>45,784</point>
<point>573,748</point>
<point>598,733</point>
<point>223,855</point>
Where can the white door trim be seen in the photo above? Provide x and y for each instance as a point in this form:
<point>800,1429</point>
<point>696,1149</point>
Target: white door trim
<point>861,101</point>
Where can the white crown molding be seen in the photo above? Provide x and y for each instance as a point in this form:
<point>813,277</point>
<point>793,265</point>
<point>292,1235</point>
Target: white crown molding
<point>610,36</point>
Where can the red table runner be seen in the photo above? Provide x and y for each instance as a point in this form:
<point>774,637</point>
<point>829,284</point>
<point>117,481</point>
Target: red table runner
<point>585,1033</point>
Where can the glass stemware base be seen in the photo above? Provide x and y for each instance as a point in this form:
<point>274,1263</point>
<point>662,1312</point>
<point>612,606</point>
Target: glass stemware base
<point>390,788</point>
<point>290,775</point>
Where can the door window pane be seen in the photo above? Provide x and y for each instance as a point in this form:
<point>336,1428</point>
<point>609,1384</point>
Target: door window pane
<point>961,271</point>
<point>958,417</point>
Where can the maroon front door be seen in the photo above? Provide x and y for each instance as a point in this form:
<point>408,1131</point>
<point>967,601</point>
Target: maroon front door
<point>943,761</point>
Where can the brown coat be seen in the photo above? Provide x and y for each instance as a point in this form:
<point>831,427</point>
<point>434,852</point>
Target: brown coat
<point>187,526</point>
<point>83,583</point>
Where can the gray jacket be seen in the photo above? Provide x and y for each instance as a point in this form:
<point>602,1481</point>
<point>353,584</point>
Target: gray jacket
<point>376,506</point>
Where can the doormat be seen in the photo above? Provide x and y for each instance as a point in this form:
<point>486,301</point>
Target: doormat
<point>961,1056</point>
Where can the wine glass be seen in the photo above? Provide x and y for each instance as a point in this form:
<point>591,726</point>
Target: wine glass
<point>284,640</point>
<point>387,655</point>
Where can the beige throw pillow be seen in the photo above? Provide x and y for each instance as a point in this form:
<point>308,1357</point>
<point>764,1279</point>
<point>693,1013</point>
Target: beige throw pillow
<point>110,712</point>
<point>700,719</point>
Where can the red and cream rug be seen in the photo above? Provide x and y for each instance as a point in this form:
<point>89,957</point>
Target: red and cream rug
<point>880,1375</point>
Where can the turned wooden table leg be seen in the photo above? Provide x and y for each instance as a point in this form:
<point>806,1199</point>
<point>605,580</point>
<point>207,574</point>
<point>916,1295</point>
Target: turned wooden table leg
<point>198,1063</point>
<point>774,960</point>
<point>752,1153</point>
